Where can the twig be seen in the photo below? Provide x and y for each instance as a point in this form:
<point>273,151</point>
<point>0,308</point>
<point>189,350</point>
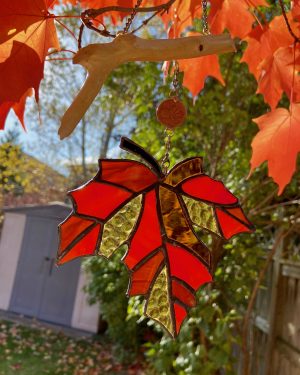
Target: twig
<point>80,35</point>
<point>261,203</point>
<point>60,59</point>
<point>61,50</point>
<point>145,22</point>
<point>66,28</point>
<point>274,206</point>
<point>297,40</point>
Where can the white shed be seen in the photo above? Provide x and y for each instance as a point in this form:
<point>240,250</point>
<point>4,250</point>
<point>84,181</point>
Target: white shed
<point>30,282</point>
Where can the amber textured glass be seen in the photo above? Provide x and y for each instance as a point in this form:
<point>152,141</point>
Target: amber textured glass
<point>183,170</point>
<point>176,226</point>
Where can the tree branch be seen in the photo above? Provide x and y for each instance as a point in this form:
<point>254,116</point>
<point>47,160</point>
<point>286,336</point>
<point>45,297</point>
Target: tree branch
<point>89,14</point>
<point>297,40</point>
<point>92,13</point>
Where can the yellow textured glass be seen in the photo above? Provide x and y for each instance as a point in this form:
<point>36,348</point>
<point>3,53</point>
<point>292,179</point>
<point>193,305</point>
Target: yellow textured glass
<point>117,230</point>
<point>201,214</point>
<point>158,306</point>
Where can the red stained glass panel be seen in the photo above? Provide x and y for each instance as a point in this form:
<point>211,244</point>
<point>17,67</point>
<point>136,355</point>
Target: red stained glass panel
<point>70,229</point>
<point>208,189</point>
<point>142,278</point>
<point>194,273</point>
<point>180,315</point>
<point>229,225</point>
<point>86,246</point>
<point>183,294</point>
<point>237,212</point>
<point>147,237</point>
<point>98,199</point>
<point>130,174</point>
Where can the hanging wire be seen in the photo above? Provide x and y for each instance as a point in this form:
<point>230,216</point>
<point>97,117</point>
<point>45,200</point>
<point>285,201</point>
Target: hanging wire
<point>165,162</point>
<point>132,16</point>
<point>205,18</point>
<point>175,82</point>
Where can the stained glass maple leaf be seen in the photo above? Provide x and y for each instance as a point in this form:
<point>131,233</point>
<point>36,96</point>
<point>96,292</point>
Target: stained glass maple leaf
<point>154,215</point>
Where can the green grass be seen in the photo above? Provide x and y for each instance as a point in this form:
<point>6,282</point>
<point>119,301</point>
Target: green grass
<point>36,351</point>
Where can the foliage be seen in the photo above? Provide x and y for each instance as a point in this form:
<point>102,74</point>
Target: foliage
<point>108,284</point>
<point>35,349</point>
<point>24,178</point>
<point>271,54</point>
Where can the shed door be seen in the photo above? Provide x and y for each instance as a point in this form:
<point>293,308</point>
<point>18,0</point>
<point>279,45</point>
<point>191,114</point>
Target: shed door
<point>41,289</point>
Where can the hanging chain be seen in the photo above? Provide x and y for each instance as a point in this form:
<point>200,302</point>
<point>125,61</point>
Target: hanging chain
<point>175,82</point>
<point>132,16</point>
<point>165,161</point>
<point>205,18</point>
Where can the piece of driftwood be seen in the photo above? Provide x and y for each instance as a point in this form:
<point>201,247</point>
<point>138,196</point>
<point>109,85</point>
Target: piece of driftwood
<point>100,59</point>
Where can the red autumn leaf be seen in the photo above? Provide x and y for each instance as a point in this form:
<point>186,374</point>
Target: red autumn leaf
<point>27,32</point>
<point>253,53</point>
<point>18,107</point>
<point>154,215</point>
<point>270,57</point>
<point>296,9</point>
<point>197,70</point>
<point>278,143</point>
<point>181,15</point>
<point>278,74</point>
<point>233,15</point>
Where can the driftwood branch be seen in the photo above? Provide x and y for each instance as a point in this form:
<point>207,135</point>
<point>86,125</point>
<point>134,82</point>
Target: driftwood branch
<point>100,59</point>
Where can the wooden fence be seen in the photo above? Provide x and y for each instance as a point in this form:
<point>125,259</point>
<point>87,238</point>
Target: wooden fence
<point>275,333</point>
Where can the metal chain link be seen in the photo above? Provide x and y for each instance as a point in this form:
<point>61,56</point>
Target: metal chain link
<point>165,162</point>
<point>132,16</point>
<point>175,82</point>
<point>205,18</point>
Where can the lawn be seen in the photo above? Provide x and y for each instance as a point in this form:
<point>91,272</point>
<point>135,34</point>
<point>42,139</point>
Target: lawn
<point>34,351</point>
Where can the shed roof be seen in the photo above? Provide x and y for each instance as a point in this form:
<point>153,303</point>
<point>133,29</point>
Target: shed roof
<point>53,209</point>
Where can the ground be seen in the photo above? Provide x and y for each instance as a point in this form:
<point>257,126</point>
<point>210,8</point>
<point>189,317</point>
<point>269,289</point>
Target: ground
<point>27,350</point>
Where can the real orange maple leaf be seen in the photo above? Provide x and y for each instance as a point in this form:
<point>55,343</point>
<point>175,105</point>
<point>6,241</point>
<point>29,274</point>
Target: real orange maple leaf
<point>278,75</point>
<point>18,107</point>
<point>278,143</point>
<point>197,70</point>
<point>27,32</point>
<point>296,9</point>
<point>233,15</point>
<point>270,58</point>
<point>181,15</point>
<point>263,41</point>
